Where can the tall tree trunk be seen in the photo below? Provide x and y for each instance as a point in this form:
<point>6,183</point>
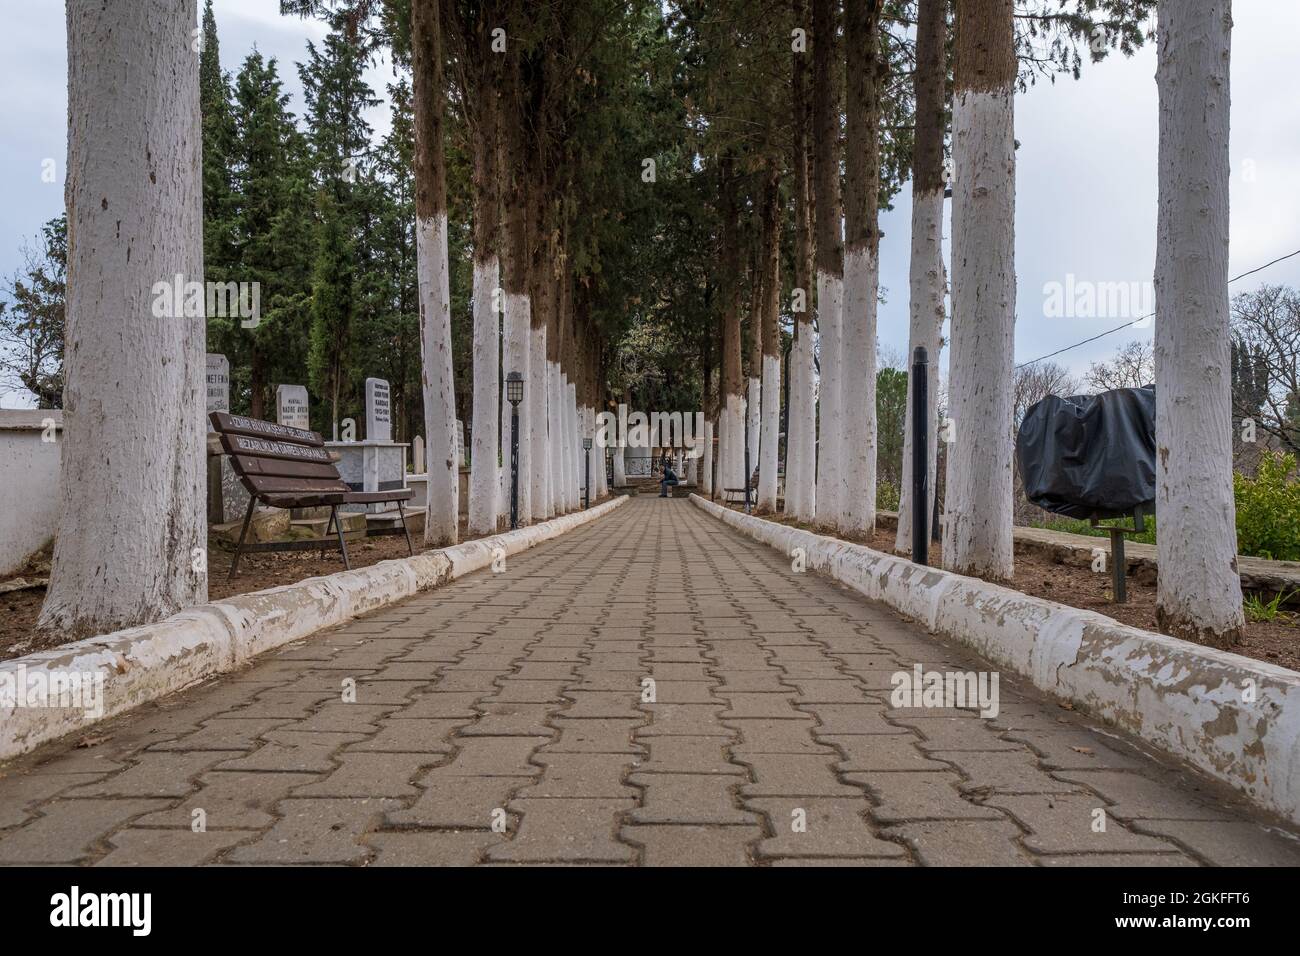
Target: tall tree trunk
<point>1199,588</point>
<point>801,426</point>
<point>863,74</point>
<point>768,457</point>
<point>830,262</point>
<point>132,528</point>
<point>754,354</point>
<point>440,522</point>
<point>926,278</point>
<point>516,264</point>
<point>732,414</point>
<point>977,533</point>
<point>484,477</point>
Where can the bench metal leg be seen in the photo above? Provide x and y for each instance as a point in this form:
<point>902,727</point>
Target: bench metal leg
<point>343,546</point>
<point>401,512</point>
<point>243,533</point>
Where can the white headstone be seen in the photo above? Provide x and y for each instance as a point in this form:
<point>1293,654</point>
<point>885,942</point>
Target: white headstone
<point>418,464</point>
<point>460,441</point>
<point>218,383</point>
<point>379,418</point>
<point>291,406</point>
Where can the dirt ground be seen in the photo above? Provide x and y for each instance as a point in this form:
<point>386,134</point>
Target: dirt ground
<point>1275,642</point>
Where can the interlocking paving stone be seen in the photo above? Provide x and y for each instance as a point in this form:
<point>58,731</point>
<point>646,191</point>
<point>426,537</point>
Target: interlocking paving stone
<point>820,827</point>
<point>67,830</point>
<point>692,845</point>
<point>316,831</point>
<point>566,830</point>
<point>230,801</point>
<point>502,721</point>
<point>170,847</point>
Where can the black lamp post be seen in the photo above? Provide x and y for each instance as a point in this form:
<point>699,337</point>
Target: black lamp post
<point>515,395</point>
<point>586,481</point>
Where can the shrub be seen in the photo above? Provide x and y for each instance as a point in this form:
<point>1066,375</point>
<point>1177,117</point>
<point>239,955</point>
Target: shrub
<point>1268,509</point>
<point>886,496</point>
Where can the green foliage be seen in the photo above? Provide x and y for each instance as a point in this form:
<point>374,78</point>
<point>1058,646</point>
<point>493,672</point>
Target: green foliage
<point>886,495</point>
<point>891,418</point>
<point>32,318</point>
<point>1268,509</point>
<point>1257,609</point>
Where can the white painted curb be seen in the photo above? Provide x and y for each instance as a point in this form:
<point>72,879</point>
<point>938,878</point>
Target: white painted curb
<point>144,663</point>
<point>1236,718</point>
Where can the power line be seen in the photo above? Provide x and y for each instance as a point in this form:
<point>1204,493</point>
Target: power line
<point>1149,315</point>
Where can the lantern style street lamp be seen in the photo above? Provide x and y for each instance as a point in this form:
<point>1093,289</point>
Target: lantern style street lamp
<point>515,395</point>
<point>586,482</point>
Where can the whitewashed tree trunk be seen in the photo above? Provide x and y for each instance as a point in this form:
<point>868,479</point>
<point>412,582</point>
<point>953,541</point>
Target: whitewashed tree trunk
<point>926,330</point>
<point>857,460</point>
<point>538,439</point>
<point>800,440</point>
<point>706,461</point>
<point>977,533</point>
<point>830,425</point>
<point>754,416</point>
<point>1199,588</point>
<point>926,272</point>
<point>484,473</point>
<point>732,447</point>
<point>769,458</point>
<point>440,522</point>
<point>557,439</point>
<point>620,464</point>
<point>517,358</point>
<point>132,534</point>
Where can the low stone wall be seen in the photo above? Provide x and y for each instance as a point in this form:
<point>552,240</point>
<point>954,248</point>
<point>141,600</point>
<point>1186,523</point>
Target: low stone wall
<point>30,458</point>
<point>1235,718</point>
<point>144,663</point>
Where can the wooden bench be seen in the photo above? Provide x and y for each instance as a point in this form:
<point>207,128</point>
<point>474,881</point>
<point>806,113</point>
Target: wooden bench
<point>737,495</point>
<point>286,467</point>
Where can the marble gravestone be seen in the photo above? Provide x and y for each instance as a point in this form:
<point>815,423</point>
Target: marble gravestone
<point>291,406</point>
<point>379,412</point>
<point>227,499</point>
<point>218,383</point>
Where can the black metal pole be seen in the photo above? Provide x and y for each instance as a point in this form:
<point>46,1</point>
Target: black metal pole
<point>920,456</point>
<point>586,481</point>
<point>514,466</point>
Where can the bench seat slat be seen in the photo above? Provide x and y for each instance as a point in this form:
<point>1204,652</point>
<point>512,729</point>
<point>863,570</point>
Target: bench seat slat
<point>248,465</point>
<point>276,484</point>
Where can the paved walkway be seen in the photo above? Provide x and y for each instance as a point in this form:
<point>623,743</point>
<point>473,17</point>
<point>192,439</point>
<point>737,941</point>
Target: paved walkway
<point>506,718</point>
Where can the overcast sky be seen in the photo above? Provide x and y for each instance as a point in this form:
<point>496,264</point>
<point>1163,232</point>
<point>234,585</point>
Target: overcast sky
<point>1085,170</point>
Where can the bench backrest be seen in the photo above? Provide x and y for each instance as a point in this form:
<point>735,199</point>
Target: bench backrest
<point>273,459</point>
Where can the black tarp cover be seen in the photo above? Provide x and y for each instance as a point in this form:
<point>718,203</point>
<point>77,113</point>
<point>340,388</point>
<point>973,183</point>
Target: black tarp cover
<point>1091,456</point>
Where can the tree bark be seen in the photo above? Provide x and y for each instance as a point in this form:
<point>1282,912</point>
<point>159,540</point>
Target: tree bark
<point>441,515</point>
<point>1198,585</point>
<point>829,262</point>
<point>977,534</point>
<point>926,274</point>
<point>768,456</point>
<point>863,73</point>
<point>801,429</point>
<point>732,414</point>
<point>132,534</point>
<point>484,476</point>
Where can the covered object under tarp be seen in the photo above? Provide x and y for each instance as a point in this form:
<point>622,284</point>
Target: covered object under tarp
<point>1091,456</point>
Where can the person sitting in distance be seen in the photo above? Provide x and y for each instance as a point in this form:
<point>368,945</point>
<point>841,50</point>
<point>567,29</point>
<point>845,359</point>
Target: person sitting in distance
<point>669,479</point>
